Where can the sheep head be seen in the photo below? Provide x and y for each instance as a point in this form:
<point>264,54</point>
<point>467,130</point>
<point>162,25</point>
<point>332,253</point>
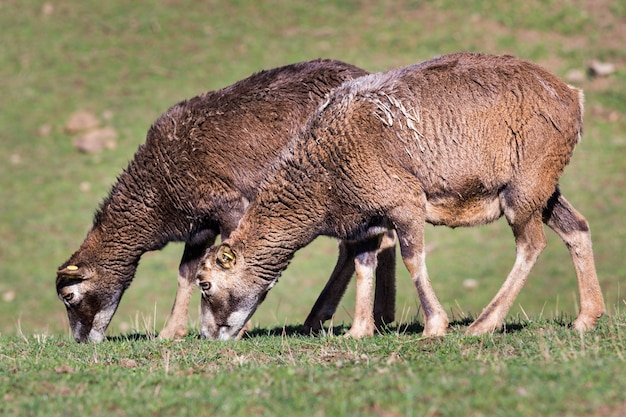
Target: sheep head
<point>230,295</point>
<point>90,300</point>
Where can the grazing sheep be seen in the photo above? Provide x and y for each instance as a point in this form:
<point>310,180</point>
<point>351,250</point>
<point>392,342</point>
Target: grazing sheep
<point>460,140</point>
<point>202,162</point>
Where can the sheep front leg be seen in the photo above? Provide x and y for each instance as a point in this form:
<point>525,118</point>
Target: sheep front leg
<point>365,262</point>
<point>435,318</point>
<point>410,229</point>
<point>385,293</point>
<point>176,325</point>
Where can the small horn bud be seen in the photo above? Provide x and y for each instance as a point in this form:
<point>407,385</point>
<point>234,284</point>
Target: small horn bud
<point>225,258</point>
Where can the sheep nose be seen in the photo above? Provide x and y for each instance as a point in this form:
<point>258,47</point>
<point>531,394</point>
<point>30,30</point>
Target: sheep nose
<point>204,285</point>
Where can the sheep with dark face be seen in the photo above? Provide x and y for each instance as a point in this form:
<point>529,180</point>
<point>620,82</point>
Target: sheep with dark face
<point>460,140</point>
<point>202,162</point>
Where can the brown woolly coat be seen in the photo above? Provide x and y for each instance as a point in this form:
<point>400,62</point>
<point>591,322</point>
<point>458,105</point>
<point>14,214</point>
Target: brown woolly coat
<point>202,161</point>
<point>459,140</point>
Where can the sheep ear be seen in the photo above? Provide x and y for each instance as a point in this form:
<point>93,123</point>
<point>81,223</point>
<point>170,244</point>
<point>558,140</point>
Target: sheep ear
<point>226,258</point>
<point>73,272</point>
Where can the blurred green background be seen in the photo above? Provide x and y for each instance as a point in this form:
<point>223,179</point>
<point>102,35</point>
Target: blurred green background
<point>127,62</point>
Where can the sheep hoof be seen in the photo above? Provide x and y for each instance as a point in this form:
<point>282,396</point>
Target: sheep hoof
<point>436,327</point>
<point>166,334</point>
<point>312,327</point>
<point>359,333</point>
<point>481,327</point>
<point>583,324</point>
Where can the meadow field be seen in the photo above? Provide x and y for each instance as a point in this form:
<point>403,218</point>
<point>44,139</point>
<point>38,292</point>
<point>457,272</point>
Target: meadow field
<point>127,62</point>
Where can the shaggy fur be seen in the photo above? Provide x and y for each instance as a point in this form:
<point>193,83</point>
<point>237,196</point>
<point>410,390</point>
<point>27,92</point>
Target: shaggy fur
<point>202,161</point>
<point>460,140</point>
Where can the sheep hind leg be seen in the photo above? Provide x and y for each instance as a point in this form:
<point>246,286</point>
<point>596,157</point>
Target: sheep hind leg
<point>530,241</point>
<point>335,288</point>
<point>176,325</point>
<point>573,229</point>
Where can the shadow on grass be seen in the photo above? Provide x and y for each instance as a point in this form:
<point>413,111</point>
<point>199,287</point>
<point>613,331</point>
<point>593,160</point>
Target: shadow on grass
<point>413,328</point>
<point>295,330</point>
<point>132,337</point>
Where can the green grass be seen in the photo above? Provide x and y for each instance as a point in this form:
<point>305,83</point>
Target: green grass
<point>536,368</point>
<point>136,59</point>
